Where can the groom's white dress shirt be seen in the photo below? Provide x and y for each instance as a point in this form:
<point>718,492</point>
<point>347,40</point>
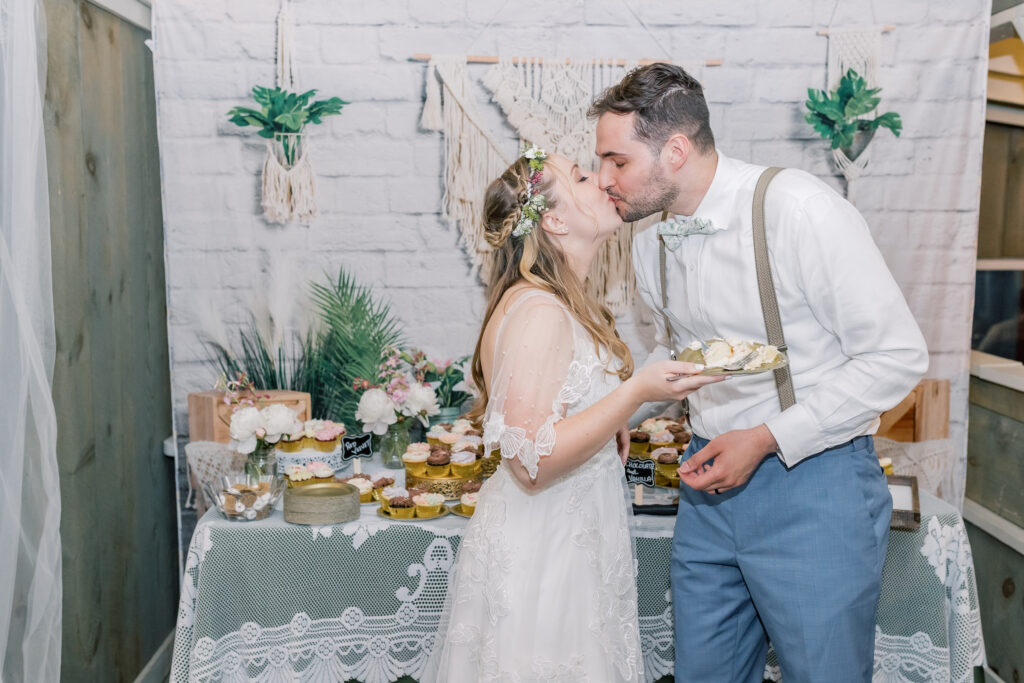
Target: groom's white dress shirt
<point>855,350</point>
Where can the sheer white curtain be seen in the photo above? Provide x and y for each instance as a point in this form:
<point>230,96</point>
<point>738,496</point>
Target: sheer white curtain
<point>30,562</point>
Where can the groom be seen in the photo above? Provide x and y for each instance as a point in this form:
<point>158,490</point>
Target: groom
<point>784,514</point>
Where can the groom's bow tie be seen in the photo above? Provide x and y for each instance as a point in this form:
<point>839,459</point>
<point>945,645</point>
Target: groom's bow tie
<point>673,230</point>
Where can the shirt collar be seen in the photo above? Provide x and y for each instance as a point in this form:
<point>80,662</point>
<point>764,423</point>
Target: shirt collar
<point>718,202</point>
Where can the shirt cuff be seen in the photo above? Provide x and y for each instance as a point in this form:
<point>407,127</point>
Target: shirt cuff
<point>796,433</point>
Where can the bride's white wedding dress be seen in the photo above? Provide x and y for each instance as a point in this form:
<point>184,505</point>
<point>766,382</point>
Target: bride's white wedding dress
<point>544,588</point>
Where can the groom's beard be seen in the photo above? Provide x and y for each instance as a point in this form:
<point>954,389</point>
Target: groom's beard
<point>659,194</point>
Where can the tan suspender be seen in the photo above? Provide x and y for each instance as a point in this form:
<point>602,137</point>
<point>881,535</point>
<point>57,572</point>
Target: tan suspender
<point>765,287</point>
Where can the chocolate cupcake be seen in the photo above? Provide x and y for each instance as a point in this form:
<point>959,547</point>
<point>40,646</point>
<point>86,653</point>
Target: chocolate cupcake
<point>439,464</point>
<point>680,434</point>
<point>471,486</point>
<point>381,482</point>
<point>416,491</point>
<point>666,461</point>
<point>402,507</point>
<point>639,442</point>
<point>440,448</point>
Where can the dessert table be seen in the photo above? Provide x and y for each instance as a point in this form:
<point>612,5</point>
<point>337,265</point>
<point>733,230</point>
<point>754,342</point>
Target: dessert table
<point>272,601</point>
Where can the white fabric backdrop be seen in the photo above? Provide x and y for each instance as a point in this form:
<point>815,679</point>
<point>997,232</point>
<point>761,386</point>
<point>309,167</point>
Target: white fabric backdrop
<point>30,560</point>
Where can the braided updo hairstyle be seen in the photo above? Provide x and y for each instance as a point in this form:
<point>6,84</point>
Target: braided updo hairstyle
<point>536,259</point>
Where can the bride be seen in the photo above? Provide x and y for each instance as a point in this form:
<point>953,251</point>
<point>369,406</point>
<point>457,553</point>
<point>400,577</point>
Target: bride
<point>544,587</point>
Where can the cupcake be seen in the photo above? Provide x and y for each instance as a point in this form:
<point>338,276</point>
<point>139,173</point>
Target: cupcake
<point>415,462</point>
<point>300,478</point>
<point>655,424</point>
<point>434,433</point>
<point>466,445</point>
<point>417,491</point>
<point>463,464</point>
<point>428,504</point>
<point>389,492</point>
<point>461,426</point>
<point>886,465</point>
<point>661,439</point>
<point>288,469</point>
<point>473,431</point>
<point>322,472</point>
<point>639,442</point>
<point>449,438</point>
<point>381,482</point>
<point>291,443</point>
<point>471,486</point>
<point>666,461</point>
<point>680,435</point>
<point>401,507</point>
<point>365,489</point>
<point>468,502</point>
<point>419,446</point>
<point>327,437</point>
<point>439,464</point>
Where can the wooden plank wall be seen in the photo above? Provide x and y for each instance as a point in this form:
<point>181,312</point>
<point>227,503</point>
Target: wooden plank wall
<point>111,384</point>
<point>995,479</point>
<point>1001,221</point>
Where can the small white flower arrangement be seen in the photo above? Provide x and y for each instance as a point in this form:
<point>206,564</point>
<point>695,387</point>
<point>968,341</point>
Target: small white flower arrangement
<point>252,427</point>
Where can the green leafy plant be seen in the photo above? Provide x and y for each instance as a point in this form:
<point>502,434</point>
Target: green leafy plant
<point>284,114</point>
<point>353,331</point>
<point>446,377</point>
<point>836,115</point>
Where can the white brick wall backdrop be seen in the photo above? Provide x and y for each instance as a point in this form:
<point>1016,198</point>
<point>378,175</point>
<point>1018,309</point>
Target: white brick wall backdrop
<point>380,176</point>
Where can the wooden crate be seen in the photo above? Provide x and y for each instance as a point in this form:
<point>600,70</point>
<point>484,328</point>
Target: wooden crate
<point>922,416</point>
<point>209,417</point>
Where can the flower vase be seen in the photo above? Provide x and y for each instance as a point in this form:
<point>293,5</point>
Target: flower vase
<point>448,414</point>
<point>394,443</point>
<point>261,464</point>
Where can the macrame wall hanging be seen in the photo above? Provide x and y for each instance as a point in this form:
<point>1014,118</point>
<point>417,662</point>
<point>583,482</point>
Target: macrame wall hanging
<point>545,100</point>
<point>289,184</point>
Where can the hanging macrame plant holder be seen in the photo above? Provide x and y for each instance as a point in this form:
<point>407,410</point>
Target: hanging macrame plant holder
<point>853,48</point>
<point>289,183</point>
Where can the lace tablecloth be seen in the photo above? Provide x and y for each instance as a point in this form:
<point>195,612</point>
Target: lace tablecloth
<point>272,601</point>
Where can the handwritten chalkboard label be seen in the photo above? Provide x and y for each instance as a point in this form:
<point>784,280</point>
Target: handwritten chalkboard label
<point>640,471</point>
<point>357,446</point>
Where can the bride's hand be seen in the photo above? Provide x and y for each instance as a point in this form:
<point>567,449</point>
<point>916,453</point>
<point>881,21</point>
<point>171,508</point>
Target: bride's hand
<point>669,380</point>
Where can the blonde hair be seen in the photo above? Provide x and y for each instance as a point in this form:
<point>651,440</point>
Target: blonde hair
<point>535,259</point>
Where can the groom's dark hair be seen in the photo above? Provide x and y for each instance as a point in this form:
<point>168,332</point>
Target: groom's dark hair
<point>666,101</point>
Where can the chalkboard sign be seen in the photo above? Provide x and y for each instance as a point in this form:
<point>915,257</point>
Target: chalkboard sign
<point>640,471</point>
<point>357,446</point>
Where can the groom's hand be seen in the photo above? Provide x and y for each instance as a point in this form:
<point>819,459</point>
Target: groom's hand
<point>737,454</point>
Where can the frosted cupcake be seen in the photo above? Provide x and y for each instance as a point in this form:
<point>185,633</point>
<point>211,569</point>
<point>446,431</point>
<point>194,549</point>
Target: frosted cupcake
<point>639,442</point>
<point>468,502</point>
<point>680,435</point>
<point>439,464</point>
<point>380,482</point>
<point>365,489</point>
<point>463,464</point>
<point>389,492</point>
<point>434,434</point>
<point>416,462</point>
<point>449,438</point>
<point>428,504</point>
<point>401,507</point>
<point>326,438</point>
<point>654,425</point>
<point>666,461</point>
<point>300,478</point>
<point>291,443</point>
<point>662,439</point>
<point>461,426</point>
<point>322,472</point>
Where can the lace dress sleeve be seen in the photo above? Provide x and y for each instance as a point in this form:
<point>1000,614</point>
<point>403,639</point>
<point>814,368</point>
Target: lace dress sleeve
<point>533,359</point>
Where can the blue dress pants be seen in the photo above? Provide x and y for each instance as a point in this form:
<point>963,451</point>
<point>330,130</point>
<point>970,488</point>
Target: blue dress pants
<point>793,556</point>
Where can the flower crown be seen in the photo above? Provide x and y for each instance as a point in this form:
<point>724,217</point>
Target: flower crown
<point>535,204</point>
